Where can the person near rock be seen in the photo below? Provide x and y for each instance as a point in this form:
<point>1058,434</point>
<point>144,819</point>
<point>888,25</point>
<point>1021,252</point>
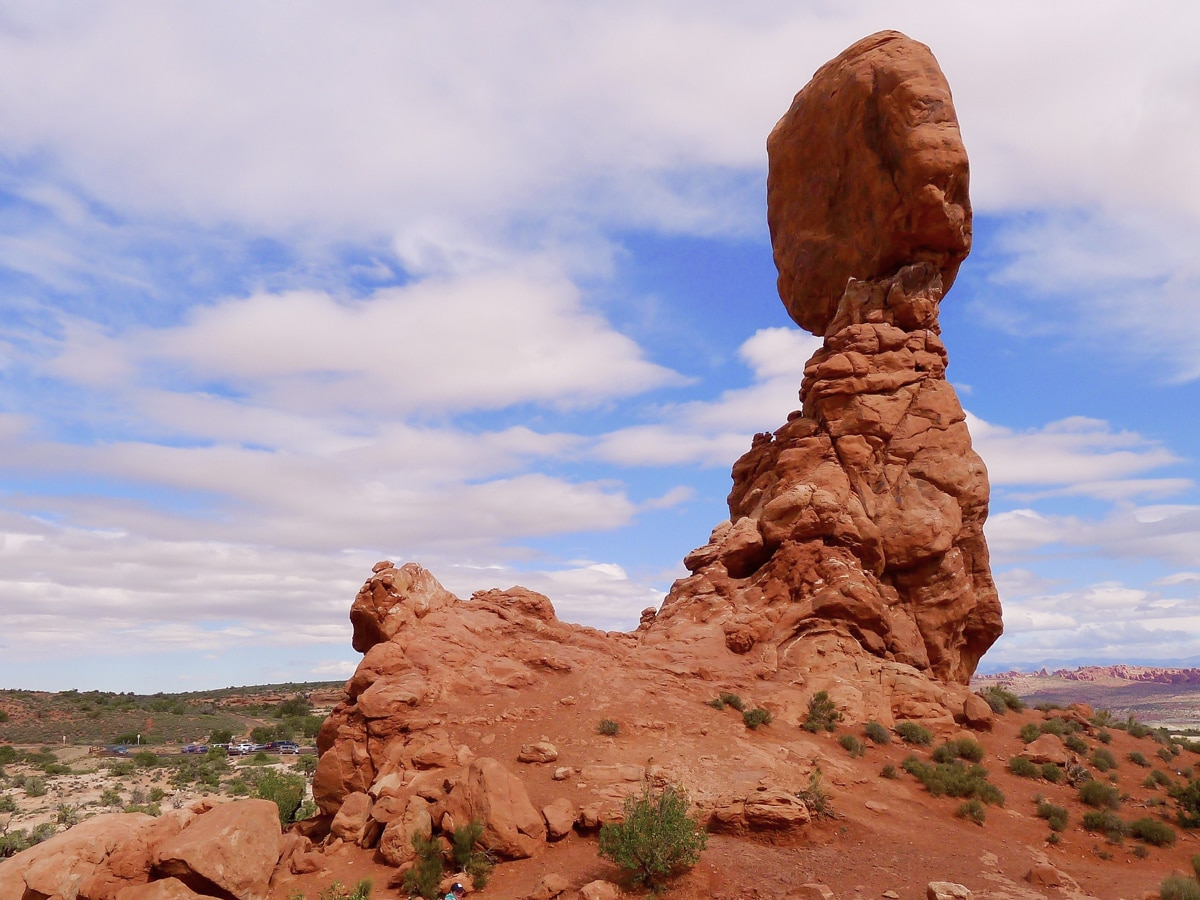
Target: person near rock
<point>457,891</point>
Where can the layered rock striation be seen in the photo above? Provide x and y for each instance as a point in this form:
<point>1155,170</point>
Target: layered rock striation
<point>857,526</point>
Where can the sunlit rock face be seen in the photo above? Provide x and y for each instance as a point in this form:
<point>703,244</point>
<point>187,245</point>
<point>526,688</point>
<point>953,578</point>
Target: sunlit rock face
<point>855,540</point>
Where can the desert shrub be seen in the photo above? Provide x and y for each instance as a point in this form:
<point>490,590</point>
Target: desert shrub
<point>8,754</point>
<point>13,842</point>
<point>156,794</point>
<point>953,779</point>
<point>1196,865</point>
<point>335,891</point>
<point>34,786</point>
<point>120,768</point>
<point>1030,732</point>
<point>973,810</point>
<point>110,797</point>
<point>876,733</point>
<point>888,772</point>
<point>1053,773</point>
<point>7,804</point>
<point>284,790</point>
<point>1102,760</point>
<point>262,734</point>
<point>1001,700</point>
<point>1156,779</point>
<point>1187,798</point>
<point>306,765</point>
<point>1140,851</point>
<point>1099,795</point>
<point>658,837</point>
<point>914,733</point>
<point>715,703</point>
<point>237,787</point>
<point>1104,736</point>
<point>1177,887</point>
<point>66,815</point>
<point>425,877</point>
<point>1054,725</point>
<point>608,727</point>
<point>307,810</point>
<point>1152,831</point>
<point>816,798</point>
<point>1105,822</point>
<point>1135,728</point>
<point>1022,767</point>
<point>145,758</point>
<point>1053,838</point>
<point>1139,759</point>
<point>1047,706</point>
<point>852,745</point>
<point>220,736</point>
<point>731,700</point>
<point>755,717</point>
<point>1165,754</point>
<point>823,715</point>
<point>959,748</point>
<point>468,856</point>
<point>1055,816</point>
<point>3,716</point>
<point>1074,744</point>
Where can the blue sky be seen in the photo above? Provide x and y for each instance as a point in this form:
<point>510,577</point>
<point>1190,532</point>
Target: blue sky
<point>287,289</point>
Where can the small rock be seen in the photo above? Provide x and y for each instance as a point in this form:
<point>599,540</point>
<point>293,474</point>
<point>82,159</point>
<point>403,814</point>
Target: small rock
<point>947,890</point>
<point>1044,875</point>
<point>549,887</point>
<point>562,773</point>
<point>814,890</point>
<point>891,895</point>
<point>541,752</point>
<point>600,890</point>
<point>876,806</point>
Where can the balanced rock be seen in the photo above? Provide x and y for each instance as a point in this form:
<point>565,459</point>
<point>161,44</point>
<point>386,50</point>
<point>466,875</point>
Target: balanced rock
<point>854,550</point>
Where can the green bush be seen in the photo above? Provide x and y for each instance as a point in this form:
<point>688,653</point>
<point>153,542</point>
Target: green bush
<point>1001,701</point>
<point>608,727</point>
<point>973,810</point>
<point>1074,744</point>
<point>110,797</point>
<point>220,736</point>
<point>953,779</point>
<point>469,857</point>
<point>823,715</point>
<point>657,838</point>
<point>755,717</point>
<point>1099,795</point>
<point>1102,760</point>
<point>1053,773</point>
<point>1055,816</point>
<point>1023,768</point>
<point>1105,822</point>
<point>1152,831</point>
<point>335,891</point>
<point>1157,779</point>
<point>876,733</point>
<point>715,703</point>
<point>731,700</point>
<point>284,790</point>
<point>1138,759</point>
<point>815,798</point>
<point>8,754</point>
<point>1196,865</point>
<point>914,733</point>
<point>1030,732</point>
<point>3,716</point>
<point>852,745</point>
<point>1135,728</point>
<point>34,787</point>
<point>145,758</point>
<point>1187,798</point>
<point>1165,754</point>
<point>888,772</point>
<point>425,877</point>
<point>1054,725</point>
<point>1104,736</point>
<point>959,748</point>
<point>7,804</point>
<point>1177,887</point>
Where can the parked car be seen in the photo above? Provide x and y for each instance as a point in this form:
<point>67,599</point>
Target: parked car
<point>195,748</point>
<point>290,747</point>
<point>241,749</point>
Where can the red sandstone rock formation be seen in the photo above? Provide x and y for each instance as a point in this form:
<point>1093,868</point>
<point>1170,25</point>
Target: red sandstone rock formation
<point>856,529</point>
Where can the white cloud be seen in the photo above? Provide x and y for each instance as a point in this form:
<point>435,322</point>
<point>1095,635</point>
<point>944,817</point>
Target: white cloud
<point>444,345</point>
<point>1084,455</point>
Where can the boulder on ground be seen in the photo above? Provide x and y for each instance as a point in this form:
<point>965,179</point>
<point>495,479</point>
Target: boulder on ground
<point>489,793</point>
<point>233,849</point>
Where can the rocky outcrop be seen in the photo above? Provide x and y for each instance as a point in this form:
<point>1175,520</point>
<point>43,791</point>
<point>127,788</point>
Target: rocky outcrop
<point>227,850</point>
<point>856,528</point>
